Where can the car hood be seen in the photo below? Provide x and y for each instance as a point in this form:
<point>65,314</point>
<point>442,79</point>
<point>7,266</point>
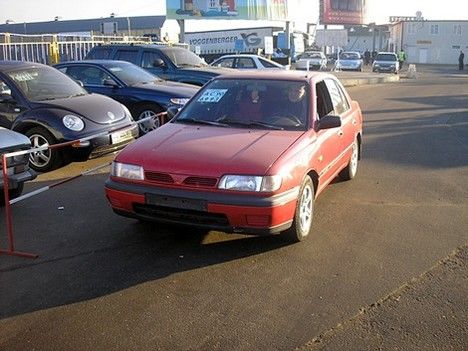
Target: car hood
<point>208,151</point>
<point>173,89</point>
<point>10,140</point>
<point>94,107</point>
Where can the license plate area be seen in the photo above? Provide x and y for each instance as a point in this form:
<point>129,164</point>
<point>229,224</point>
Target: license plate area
<point>121,136</point>
<point>176,202</point>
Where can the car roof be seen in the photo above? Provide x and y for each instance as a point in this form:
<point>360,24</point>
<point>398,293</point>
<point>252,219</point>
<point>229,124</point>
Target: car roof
<point>12,65</point>
<point>275,75</point>
<point>95,62</point>
<point>241,55</point>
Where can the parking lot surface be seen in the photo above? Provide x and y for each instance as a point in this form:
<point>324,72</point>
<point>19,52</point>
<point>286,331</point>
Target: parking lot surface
<point>105,282</point>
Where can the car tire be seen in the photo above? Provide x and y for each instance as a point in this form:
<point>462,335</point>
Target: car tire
<point>302,223</point>
<point>349,172</point>
<point>47,160</point>
<point>144,111</point>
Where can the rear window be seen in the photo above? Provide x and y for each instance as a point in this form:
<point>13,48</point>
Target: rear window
<point>386,57</point>
<point>99,53</point>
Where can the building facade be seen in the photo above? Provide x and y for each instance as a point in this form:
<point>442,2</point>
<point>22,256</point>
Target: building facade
<point>430,42</point>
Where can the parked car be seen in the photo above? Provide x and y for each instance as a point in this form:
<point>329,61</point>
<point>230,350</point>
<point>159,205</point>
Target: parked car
<point>246,62</point>
<point>18,170</point>
<point>349,61</point>
<point>248,154</point>
<point>386,62</point>
<point>315,60</point>
<point>144,94</point>
<point>49,108</point>
<point>167,62</point>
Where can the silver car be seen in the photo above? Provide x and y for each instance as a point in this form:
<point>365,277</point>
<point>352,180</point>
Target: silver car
<point>386,62</point>
<point>349,60</point>
<point>312,60</point>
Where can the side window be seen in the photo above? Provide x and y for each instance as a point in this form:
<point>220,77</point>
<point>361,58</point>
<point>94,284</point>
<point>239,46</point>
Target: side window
<point>127,55</point>
<point>148,59</point>
<point>227,62</point>
<point>340,104</point>
<point>324,103</point>
<point>88,75</point>
<point>99,53</point>
<point>245,62</point>
<point>267,64</point>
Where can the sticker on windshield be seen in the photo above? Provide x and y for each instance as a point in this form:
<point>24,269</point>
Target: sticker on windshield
<point>22,77</point>
<point>212,95</point>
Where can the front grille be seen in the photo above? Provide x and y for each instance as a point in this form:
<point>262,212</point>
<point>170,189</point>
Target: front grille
<point>159,177</point>
<point>201,182</point>
<point>192,217</point>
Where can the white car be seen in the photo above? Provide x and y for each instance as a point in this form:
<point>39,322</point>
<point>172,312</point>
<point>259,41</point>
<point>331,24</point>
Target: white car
<point>246,62</point>
<point>312,60</point>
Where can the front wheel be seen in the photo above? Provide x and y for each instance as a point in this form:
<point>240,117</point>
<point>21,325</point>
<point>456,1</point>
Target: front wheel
<point>302,224</point>
<point>153,122</point>
<point>45,160</point>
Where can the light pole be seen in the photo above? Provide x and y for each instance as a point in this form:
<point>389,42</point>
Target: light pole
<point>128,26</point>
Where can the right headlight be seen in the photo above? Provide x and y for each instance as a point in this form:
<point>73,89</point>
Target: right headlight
<point>127,171</point>
<point>250,183</point>
<point>73,123</point>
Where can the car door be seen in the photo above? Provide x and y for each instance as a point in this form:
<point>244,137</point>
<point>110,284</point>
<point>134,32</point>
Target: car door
<point>329,140</point>
<point>349,117</point>
<point>96,80</point>
<point>10,104</point>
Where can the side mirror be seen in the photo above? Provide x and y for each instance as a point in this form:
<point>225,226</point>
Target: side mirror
<point>110,83</point>
<point>171,112</point>
<point>158,63</point>
<point>329,121</point>
<point>6,98</point>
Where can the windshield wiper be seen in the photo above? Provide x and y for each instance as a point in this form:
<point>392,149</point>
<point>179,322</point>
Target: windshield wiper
<point>201,121</point>
<point>226,120</point>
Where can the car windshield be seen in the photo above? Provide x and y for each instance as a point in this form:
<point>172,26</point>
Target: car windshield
<point>45,83</point>
<point>349,56</point>
<point>249,103</point>
<point>131,74</point>
<point>386,57</point>
<point>311,55</point>
<point>183,57</point>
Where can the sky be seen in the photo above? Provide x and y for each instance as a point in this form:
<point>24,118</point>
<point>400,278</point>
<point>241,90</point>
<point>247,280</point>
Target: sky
<point>47,10</point>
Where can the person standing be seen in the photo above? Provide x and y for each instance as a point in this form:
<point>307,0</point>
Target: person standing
<point>460,61</point>
<point>401,57</point>
<point>366,57</point>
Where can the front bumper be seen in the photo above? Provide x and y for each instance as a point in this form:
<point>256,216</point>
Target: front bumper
<point>236,213</point>
<point>105,144</point>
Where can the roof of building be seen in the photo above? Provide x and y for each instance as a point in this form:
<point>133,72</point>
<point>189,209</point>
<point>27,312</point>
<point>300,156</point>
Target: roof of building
<point>83,25</point>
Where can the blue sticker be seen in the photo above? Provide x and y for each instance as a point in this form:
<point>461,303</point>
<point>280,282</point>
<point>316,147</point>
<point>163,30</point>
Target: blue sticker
<point>212,95</point>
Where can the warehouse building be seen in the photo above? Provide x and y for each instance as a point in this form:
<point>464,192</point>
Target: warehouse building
<point>428,41</point>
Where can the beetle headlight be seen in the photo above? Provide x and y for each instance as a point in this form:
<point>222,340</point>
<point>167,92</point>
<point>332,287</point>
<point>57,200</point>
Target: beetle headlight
<point>250,183</point>
<point>127,112</point>
<point>127,171</point>
<point>73,123</point>
<point>179,101</point>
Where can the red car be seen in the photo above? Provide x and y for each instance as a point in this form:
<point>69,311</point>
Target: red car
<point>249,153</point>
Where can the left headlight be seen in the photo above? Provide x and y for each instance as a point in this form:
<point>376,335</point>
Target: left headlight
<point>73,123</point>
<point>124,170</point>
<point>250,183</point>
<point>179,101</point>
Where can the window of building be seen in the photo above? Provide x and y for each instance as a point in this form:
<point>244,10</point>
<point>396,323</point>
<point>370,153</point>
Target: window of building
<point>434,29</point>
<point>457,29</point>
<point>411,28</point>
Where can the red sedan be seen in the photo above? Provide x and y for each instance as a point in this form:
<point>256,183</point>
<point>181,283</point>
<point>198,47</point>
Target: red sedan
<point>249,153</point>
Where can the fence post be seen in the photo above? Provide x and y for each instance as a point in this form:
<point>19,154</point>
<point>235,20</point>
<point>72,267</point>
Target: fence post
<point>54,57</point>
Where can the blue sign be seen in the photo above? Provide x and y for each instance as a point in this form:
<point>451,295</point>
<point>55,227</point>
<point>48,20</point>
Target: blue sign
<point>239,45</point>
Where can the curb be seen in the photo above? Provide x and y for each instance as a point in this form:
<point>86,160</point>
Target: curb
<point>351,82</point>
